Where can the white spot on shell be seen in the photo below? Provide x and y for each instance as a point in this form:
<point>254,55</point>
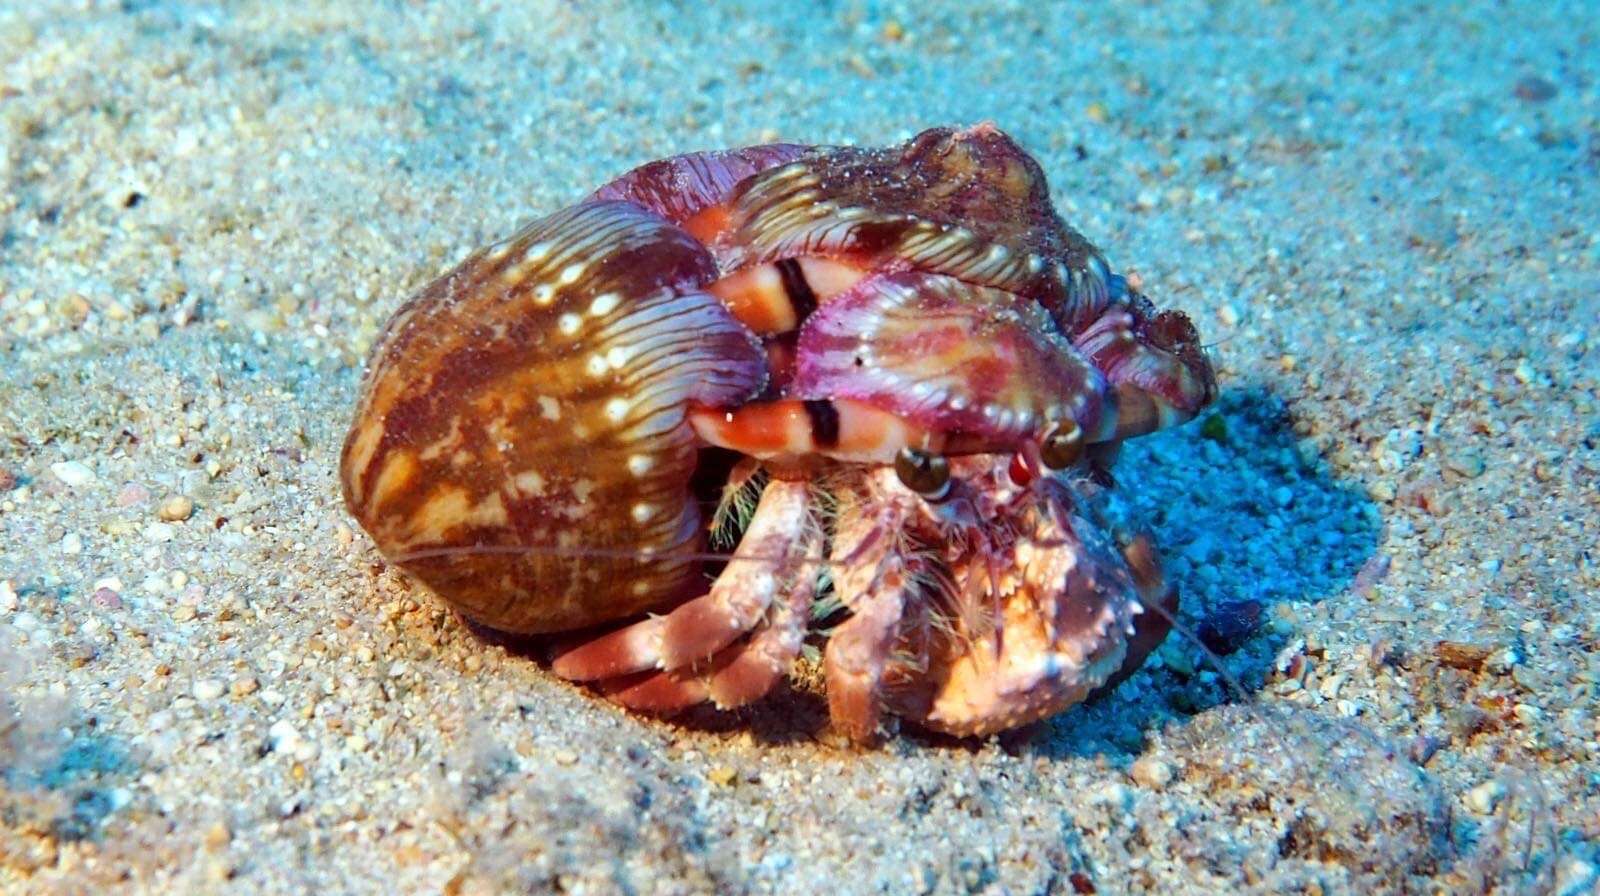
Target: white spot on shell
<point>544,294</point>
<point>529,483</point>
<point>571,273</point>
<point>582,489</point>
<point>640,464</point>
<point>569,324</point>
<point>617,410</point>
<point>617,356</point>
<point>642,512</point>
<point>549,408</point>
<point>596,365</point>
<point>537,252</point>
<point>515,273</point>
<point>603,304</point>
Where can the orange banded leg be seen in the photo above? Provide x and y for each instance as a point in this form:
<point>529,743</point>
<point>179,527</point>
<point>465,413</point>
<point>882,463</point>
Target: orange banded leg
<point>768,560</point>
<point>777,297</point>
<point>742,672</point>
<point>843,429</point>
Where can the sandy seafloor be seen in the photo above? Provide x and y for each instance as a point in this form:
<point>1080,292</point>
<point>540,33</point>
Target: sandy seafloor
<point>1383,217</point>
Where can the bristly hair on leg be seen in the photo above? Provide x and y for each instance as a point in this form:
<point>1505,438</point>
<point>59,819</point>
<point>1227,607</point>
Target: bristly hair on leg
<point>946,614</point>
<point>740,495</point>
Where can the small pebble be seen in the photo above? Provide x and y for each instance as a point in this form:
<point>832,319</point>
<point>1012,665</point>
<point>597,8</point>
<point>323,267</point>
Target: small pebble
<point>1534,89</point>
<point>183,613</point>
<point>8,597</point>
<point>1462,655</point>
<point>159,532</point>
<point>1483,798</point>
<point>1151,772</point>
<point>1466,464</point>
<point>285,738</point>
<point>72,544</point>
<point>566,757</point>
<point>176,509</point>
<point>1329,688</point>
<point>722,775</point>
<point>243,687</point>
<point>106,599</point>
<point>217,836</point>
<point>7,480</point>
<point>1503,661</point>
<point>207,689</point>
<point>73,473</point>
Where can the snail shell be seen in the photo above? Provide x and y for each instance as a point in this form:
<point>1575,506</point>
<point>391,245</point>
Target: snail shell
<point>532,402</point>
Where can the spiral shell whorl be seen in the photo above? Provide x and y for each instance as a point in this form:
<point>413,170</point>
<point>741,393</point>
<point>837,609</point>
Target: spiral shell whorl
<point>538,391</point>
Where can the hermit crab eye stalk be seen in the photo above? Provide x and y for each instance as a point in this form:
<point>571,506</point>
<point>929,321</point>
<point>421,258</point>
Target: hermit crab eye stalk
<point>1062,446</point>
<point>924,473</point>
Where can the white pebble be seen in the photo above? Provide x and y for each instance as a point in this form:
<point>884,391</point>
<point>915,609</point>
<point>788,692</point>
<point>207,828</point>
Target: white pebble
<point>1151,772</point>
<point>73,473</point>
<point>284,737</point>
<point>207,689</point>
<point>176,509</point>
<point>1483,798</point>
<point>1329,689</point>
<point>72,544</point>
<point>8,597</point>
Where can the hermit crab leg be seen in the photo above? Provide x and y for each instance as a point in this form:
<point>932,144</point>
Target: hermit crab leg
<point>873,583</point>
<point>777,297</point>
<point>844,430</point>
<point>735,604</point>
<point>741,673</point>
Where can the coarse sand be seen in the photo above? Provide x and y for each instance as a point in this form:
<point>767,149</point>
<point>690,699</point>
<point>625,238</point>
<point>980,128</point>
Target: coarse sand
<point>1381,216</point>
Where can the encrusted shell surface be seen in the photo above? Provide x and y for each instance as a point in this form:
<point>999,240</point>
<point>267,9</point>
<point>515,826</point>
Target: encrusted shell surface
<point>969,204</point>
<point>520,444</point>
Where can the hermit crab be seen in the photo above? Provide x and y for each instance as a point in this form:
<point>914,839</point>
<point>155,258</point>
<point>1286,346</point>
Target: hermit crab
<point>895,374</point>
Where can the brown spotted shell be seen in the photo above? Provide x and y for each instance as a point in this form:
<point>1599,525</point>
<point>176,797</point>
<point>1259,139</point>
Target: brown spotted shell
<point>520,444</point>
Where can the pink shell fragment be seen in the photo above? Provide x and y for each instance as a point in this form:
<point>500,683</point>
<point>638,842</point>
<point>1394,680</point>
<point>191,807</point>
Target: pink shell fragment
<point>680,187</point>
